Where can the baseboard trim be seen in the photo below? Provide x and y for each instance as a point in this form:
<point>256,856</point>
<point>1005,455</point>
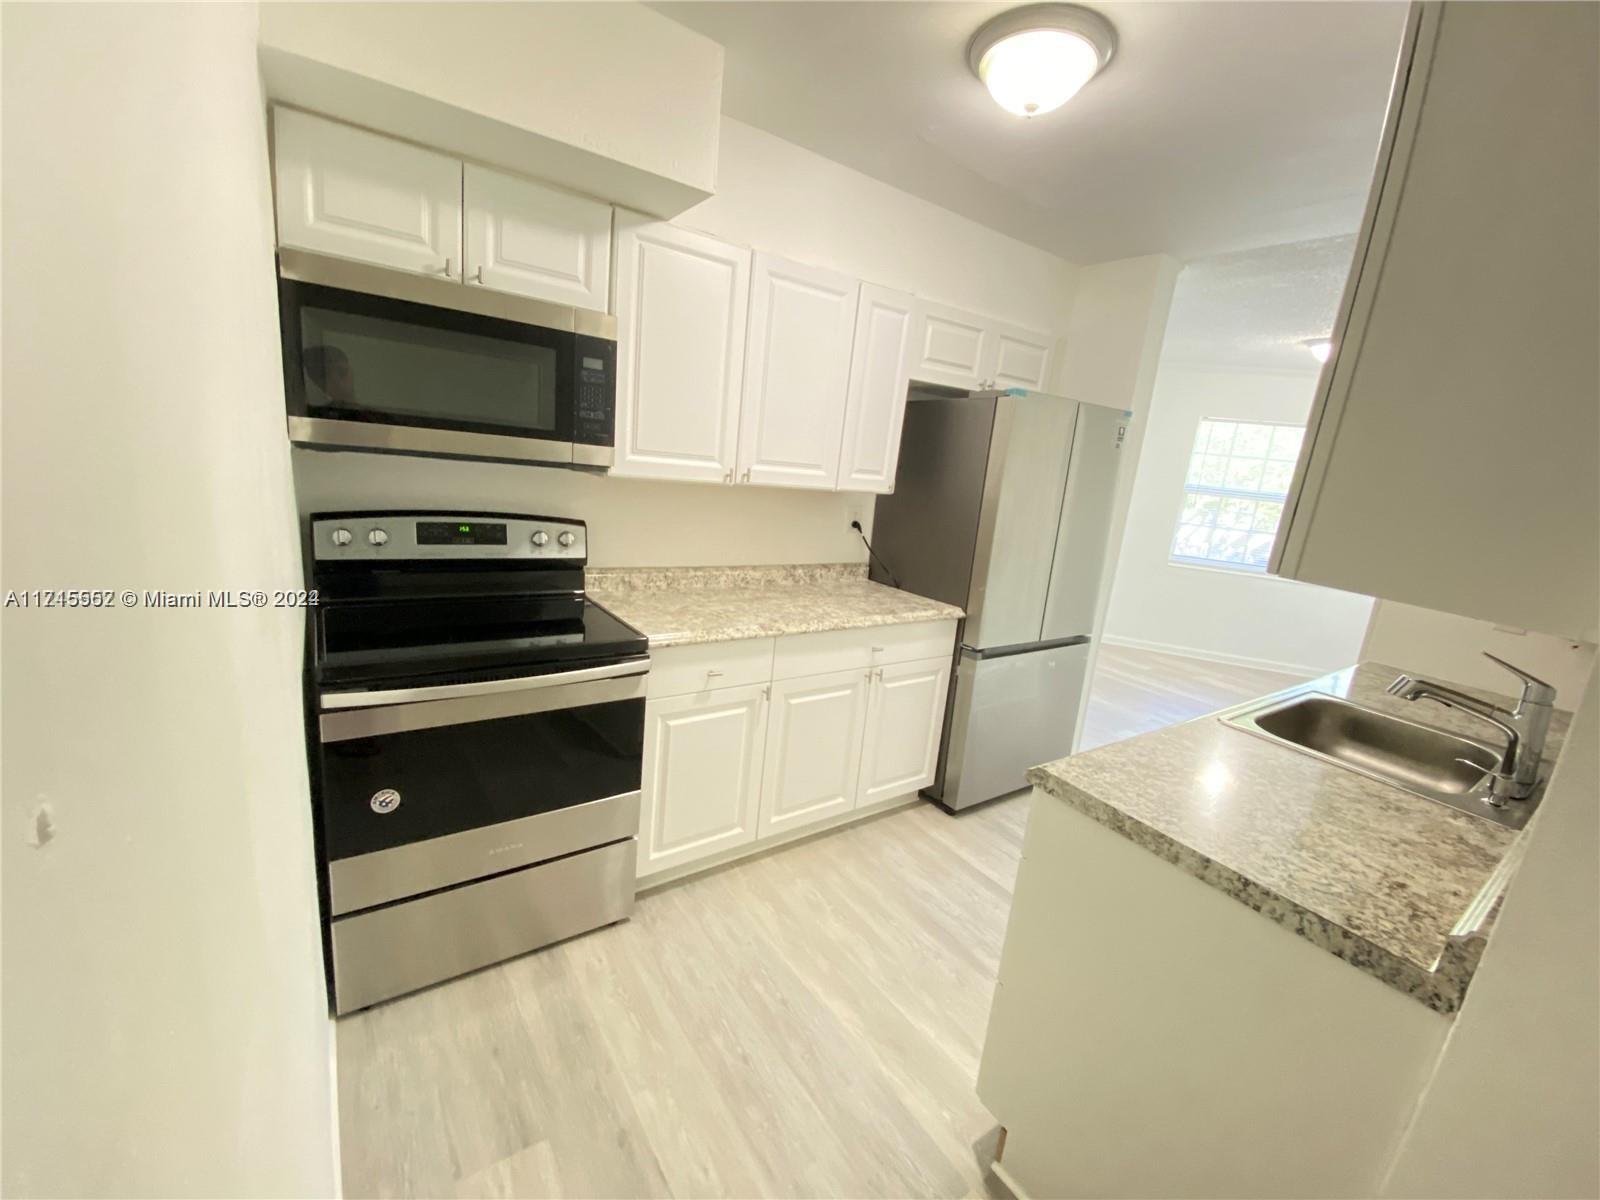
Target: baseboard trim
<point>1232,660</point>
<point>333,1087</point>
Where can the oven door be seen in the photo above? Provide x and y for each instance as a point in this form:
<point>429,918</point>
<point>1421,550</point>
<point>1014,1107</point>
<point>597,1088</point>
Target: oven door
<point>381,360</point>
<point>421,790</point>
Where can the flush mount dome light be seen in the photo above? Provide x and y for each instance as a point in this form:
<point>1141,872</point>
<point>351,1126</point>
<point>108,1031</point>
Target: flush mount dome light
<point>1035,59</point>
<point>1321,348</point>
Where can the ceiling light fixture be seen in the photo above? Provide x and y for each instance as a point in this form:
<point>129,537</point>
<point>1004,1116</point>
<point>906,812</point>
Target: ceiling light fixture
<point>1035,59</point>
<point>1321,348</point>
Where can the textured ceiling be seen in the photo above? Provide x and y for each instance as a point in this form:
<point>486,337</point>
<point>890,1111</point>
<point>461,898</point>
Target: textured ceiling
<point>1218,125</point>
<point>1253,308</point>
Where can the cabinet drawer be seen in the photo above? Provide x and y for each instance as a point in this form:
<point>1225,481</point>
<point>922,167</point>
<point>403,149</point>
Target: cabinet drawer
<point>677,670</point>
<point>858,649</point>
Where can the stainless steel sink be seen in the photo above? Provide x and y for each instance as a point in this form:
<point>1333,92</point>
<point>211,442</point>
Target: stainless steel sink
<point>1419,759</point>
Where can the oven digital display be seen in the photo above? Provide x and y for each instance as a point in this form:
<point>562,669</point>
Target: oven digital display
<point>461,533</point>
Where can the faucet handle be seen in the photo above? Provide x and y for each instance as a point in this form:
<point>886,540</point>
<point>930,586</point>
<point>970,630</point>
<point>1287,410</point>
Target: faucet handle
<point>1400,684</point>
<point>1534,689</point>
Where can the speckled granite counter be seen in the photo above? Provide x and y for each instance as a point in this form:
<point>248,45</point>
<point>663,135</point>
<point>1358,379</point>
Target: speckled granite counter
<point>1401,887</point>
<point>679,606</point>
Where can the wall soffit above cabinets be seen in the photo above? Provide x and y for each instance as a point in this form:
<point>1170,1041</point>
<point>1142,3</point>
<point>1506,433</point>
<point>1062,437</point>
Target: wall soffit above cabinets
<point>608,100</point>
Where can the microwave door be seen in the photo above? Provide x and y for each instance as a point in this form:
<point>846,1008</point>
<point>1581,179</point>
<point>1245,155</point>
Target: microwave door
<point>377,372</point>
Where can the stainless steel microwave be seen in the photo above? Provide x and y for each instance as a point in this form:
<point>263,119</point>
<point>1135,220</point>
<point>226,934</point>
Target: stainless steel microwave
<point>380,360</point>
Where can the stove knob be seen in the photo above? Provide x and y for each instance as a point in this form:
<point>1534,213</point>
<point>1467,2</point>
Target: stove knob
<point>341,537</point>
<point>540,537</point>
<point>566,539</point>
<point>378,537</point>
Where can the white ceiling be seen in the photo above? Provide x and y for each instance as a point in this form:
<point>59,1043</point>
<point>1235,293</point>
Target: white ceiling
<point>1252,309</point>
<point>1219,125</point>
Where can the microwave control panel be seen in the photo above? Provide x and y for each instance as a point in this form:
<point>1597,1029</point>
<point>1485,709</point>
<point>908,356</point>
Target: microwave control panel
<point>594,414</point>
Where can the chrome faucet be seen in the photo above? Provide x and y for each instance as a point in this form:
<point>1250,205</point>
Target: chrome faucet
<point>1525,726</point>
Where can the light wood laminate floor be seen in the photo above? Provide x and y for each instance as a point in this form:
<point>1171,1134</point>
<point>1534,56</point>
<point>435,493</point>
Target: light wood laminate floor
<point>806,1023</point>
<point>1135,691</point>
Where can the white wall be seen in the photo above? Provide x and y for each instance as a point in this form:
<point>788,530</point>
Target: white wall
<point>611,98</point>
<point>1513,1108</point>
<point>777,197</point>
<point>1230,616</point>
<point>632,522</point>
<point>1446,646</point>
<point>164,1014</point>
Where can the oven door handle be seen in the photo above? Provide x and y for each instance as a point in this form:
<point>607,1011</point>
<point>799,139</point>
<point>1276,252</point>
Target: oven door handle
<point>487,687</point>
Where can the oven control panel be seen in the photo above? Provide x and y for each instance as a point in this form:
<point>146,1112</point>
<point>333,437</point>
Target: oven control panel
<point>491,536</point>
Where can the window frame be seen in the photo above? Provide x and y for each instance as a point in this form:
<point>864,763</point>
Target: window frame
<point>1222,492</point>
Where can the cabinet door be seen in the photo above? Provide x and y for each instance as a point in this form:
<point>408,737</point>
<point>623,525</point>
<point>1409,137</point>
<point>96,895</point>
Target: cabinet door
<point>701,775</point>
<point>1451,450</point>
<point>905,719</point>
<point>951,347</point>
<point>813,749</point>
<point>536,241</point>
<point>682,303</point>
<point>353,194</point>
<point>1021,358</point>
<point>797,371</point>
<point>879,371</point>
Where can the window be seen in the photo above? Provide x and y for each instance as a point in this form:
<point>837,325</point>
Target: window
<point>1233,494</point>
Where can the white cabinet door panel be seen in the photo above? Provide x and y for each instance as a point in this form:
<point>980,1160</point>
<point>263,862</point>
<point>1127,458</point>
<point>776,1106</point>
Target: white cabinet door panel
<point>1021,359</point>
<point>951,348</point>
<point>536,241</point>
<point>905,719</point>
<point>358,195</point>
<point>682,305</point>
<point>701,775</point>
<point>797,373</point>
<point>813,749</point>
<point>880,367</point>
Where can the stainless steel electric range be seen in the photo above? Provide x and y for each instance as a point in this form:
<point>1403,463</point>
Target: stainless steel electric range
<point>478,726</point>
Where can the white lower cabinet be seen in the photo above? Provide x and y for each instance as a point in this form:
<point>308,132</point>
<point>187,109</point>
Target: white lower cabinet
<point>702,775</point>
<point>905,719</point>
<point>813,749</point>
<point>840,721</point>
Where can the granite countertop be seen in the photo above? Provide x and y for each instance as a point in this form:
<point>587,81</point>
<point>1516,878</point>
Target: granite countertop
<point>680,606</point>
<point>1402,887</point>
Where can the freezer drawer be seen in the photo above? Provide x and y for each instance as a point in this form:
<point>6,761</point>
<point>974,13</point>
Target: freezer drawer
<point>1011,711</point>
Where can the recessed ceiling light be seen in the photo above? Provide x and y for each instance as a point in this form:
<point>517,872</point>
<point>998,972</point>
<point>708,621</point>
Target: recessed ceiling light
<point>1035,59</point>
<point>1321,348</point>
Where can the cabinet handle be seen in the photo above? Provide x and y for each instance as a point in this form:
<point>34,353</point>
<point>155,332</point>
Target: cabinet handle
<point>877,649</point>
<point>746,477</point>
<point>728,478</point>
<point>446,269</point>
<point>766,692</point>
<point>477,276</point>
<point>710,674</point>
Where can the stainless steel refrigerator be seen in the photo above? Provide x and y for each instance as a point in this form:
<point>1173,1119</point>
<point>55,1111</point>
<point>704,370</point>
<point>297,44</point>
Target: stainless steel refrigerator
<point>1002,504</point>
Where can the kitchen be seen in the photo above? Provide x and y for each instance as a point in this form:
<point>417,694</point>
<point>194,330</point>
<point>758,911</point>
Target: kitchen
<point>786,331</point>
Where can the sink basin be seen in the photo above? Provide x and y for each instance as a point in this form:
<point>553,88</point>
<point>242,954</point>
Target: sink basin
<point>1419,759</point>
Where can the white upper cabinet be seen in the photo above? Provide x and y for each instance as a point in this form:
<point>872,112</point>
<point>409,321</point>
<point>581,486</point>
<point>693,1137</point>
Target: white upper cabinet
<point>701,777</point>
<point>1021,359</point>
<point>879,373</point>
<point>951,348</point>
<point>963,350</point>
<point>797,372</point>
<point>1454,443</point>
<point>353,194</point>
<point>536,241</point>
<point>905,720</point>
<point>682,302</point>
<point>813,749</point>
